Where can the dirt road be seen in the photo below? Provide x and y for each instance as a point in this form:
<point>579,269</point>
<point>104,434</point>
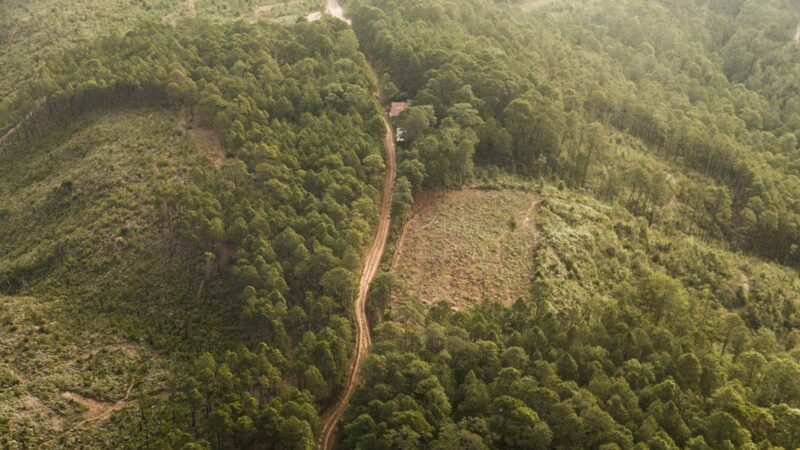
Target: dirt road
<point>330,419</point>
<point>333,8</point>
<point>373,258</point>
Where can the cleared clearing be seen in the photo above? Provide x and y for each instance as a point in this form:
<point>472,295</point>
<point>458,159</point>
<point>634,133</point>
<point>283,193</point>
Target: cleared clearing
<point>467,246</point>
<point>206,141</point>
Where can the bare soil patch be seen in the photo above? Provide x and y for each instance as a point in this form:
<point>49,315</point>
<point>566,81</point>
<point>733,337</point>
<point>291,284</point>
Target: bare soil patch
<point>530,5</point>
<point>95,410</point>
<point>192,7</point>
<point>468,246</point>
<point>206,141</point>
<point>33,405</point>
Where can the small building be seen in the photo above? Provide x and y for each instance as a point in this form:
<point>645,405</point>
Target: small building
<point>399,135</point>
<point>397,108</point>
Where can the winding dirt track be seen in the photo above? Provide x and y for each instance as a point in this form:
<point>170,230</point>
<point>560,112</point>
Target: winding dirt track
<point>331,418</point>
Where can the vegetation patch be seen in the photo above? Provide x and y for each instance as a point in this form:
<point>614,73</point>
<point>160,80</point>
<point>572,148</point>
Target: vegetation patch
<point>206,141</point>
<point>206,274</point>
<point>623,324</point>
<point>57,380</point>
<point>74,203</point>
<point>468,246</point>
<point>247,269</point>
<point>33,32</point>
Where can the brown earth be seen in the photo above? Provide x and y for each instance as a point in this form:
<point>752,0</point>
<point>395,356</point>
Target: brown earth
<point>467,246</point>
<point>96,411</point>
<point>330,419</point>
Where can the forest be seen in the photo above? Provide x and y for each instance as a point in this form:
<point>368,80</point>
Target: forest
<point>643,105</point>
<point>217,286</point>
<point>266,244</point>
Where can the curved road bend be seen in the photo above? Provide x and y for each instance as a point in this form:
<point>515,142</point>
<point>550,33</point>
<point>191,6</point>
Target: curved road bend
<point>330,419</point>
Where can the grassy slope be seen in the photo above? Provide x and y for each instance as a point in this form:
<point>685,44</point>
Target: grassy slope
<point>93,279</point>
<point>589,250</point>
<point>45,361</point>
<point>90,295</point>
<point>90,192</point>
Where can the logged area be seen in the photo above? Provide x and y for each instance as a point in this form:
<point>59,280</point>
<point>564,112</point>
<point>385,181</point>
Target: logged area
<point>72,205</point>
<point>467,246</point>
<point>592,209</point>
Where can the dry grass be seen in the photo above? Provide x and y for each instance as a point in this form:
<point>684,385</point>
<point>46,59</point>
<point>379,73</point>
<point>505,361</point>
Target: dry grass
<point>56,380</point>
<point>467,246</point>
<point>206,141</point>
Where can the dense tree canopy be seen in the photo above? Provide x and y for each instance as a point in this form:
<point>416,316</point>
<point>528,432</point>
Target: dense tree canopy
<point>551,88</point>
<point>662,139</point>
<point>272,237</point>
<point>651,360</point>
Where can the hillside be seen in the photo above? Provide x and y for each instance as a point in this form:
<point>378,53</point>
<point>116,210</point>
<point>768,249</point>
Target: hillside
<point>78,237</point>
<point>33,32</point>
<point>591,208</point>
<point>665,264</point>
<point>628,335</point>
<point>130,219</point>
